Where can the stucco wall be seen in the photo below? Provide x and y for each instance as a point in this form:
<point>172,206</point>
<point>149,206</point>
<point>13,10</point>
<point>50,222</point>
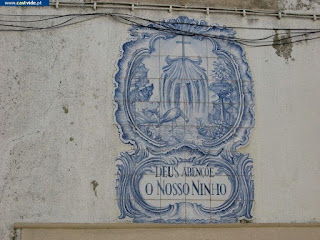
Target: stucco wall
<point>59,142</point>
<point>248,4</point>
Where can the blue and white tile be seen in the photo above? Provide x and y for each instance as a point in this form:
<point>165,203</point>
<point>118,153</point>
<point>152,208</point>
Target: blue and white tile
<point>188,123</point>
<point>196,211</point>
<point>171,67</point>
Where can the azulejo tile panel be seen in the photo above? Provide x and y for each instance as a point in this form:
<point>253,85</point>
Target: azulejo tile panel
<point>186,104</point>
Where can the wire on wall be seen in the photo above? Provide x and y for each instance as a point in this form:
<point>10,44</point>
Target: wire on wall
<point>46,22</point>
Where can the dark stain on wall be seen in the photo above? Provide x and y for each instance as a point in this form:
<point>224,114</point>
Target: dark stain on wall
<point>65,109</point>
<point>283,45</point>
<point>94,187</point>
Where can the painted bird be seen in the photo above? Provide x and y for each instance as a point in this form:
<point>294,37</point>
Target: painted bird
<point>172,115</point>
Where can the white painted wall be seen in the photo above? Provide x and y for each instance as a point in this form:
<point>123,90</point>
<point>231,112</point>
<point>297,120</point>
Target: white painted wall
<point>46,177</point>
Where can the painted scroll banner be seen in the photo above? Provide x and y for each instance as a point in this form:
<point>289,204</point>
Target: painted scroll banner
<point>186,104</point>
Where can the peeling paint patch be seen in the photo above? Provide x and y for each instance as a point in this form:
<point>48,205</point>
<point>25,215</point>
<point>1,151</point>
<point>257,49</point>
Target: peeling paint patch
<point>298,4</point>
<point>65,109</point>
<point>283,45</point>
<point>94,187</point>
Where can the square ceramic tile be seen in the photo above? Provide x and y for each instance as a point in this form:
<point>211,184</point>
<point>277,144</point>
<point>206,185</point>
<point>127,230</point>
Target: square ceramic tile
<point>149,187</point>
<point>147,113</point>
<point>173,115</point>
<point>119,218</point>
<point>199,184</point>
<point>194,215</point>
<point>173,211</point>
<point>176,68</point>
<point>172,134</point>
<point>221,187</point>
<point>152,66</point>
<point>183,46</point>
<point>172,188</point>
<point>221,69</point>
<point>202,133</point>
<point>155,50</point>
<point>216,47</point>
<point>226,114</point>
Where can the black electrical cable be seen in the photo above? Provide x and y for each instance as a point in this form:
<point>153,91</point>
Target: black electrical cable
<point>51,27</point>
<point>159,22</point>
<point>242,40</point>
<point>233,27</point>
<point>186,33</point>
<point>292,35</point>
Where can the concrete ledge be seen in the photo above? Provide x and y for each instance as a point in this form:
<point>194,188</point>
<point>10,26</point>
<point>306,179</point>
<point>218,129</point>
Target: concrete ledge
<point>156,225</point>
<point>59,231</point>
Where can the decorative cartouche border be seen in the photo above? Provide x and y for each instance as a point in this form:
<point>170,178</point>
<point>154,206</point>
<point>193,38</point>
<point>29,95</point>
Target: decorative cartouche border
<point>131,166</point>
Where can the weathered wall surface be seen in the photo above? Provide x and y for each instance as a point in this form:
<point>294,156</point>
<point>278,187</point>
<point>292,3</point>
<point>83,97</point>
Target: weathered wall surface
<point>59,143</point>
<point>248,4</point>
<point>300,5</point>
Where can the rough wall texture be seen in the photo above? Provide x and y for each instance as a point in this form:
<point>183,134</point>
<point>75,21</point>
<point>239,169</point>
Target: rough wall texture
<point>304,5</point>
<point>59,142</point>
<point>248,4</point>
